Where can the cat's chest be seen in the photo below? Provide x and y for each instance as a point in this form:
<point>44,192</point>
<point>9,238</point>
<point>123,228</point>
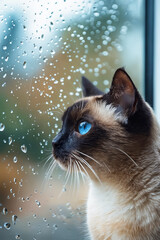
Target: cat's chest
<point>104,210</point>
<point>109,214</point>
<point>104,202</point>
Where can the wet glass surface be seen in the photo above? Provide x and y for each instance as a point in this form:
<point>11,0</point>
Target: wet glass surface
<point>45,48</point>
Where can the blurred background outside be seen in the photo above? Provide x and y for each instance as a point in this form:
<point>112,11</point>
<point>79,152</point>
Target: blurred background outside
<point>45,48</point>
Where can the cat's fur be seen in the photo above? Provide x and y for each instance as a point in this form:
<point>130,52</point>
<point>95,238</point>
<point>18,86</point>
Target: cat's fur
<point>122,151</point>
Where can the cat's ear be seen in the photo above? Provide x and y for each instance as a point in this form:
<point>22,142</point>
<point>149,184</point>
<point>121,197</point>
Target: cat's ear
<point>123,93</point>
<point>89,89</point>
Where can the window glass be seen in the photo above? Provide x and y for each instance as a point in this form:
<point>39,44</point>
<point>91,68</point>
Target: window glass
<point>45,48</point>
<point>156,61</point>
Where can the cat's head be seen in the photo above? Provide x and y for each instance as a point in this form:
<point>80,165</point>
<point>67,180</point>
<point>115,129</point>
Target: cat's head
<point>102,132</point>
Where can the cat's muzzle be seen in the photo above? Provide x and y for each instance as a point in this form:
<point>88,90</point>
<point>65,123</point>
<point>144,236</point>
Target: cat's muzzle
<point>59,149</point>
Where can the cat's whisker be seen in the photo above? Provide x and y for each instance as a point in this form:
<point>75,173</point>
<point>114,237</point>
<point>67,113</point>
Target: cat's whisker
<point>78,179</point>
<point>89,157</point>
<point>82,105</point>
<point>70,170</point>
<point>61,110</point>
<point>47,160</point>
<point>88,165</point>
<point>50,169</point>
<point>127,156</point>
<point>71,173</point>
<point>48,150</point>
<point>74,179</point>
<point>94,160</point>
<point>48,156</point>
<point>105,165</point>
<point>47,171</point>
<point>92,170</point>
<point>67,176</point>
<point>81,90</point>
<point>53,108</point>
<point>74,155</point>
<point>78,163</point>
<point>84,170</point>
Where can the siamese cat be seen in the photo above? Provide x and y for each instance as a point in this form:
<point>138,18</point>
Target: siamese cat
<point>114,139</point>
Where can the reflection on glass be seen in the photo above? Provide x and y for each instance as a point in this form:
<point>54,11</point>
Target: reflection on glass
<point>46,46</point>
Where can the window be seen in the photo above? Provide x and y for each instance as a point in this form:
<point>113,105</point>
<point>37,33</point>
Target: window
<point>46,46</point>
<point>156,61</point>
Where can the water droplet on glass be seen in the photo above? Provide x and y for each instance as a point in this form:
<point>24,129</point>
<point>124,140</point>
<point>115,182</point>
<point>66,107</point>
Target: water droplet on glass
<point>49,87</point>
<point>20,184</point>
<point>7,225</point>
<point>69,29</point>
<point>38,203</point>
<point>106,82</point>
<point>17,236</point>
<point>4,48</point>
<point>2,127</point>
<point>6,59</point>
<point>15,159</point>
<point>53,215</point>
<point>23,148</point>
<point>24,64</point>
<point>4,84</point>
<point>55,226</point>
<point>5,75</point>
<point>14,218</point>
<point>105,53</point>
<point>9,140</point>
<point>4,211</point>
<point>40,49</point>
<point>20,209</point>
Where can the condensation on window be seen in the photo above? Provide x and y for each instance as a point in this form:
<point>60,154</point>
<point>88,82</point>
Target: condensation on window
<point>45,49</point>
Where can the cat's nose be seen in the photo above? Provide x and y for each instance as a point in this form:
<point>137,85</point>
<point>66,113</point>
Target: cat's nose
<point>56,140</point>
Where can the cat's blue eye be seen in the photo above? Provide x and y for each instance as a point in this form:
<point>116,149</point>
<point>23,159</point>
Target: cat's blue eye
<point>84,127</point>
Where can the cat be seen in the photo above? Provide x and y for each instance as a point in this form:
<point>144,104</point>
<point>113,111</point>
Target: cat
<point>114,138</point>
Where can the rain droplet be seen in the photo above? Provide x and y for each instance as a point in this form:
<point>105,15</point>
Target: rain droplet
<point>69,29</point>
<point>49,87</point>
<point>38,203</point>
<point>17,236</point>
<point>4,211</point>
<point>55,226</point>
<point>2,127</point>
<point>15,159</point>
<point>5,75</point>
<point>24,64</point>
<point>106,82</point>
<point>14,218</point>
<point>4,48</point>
<point>7,225</point>
<point>4,84</point>
<point>105,53</point>
<point>40,49</point>
<point>9,140</point>
<point>20,209</point>
<point>23,148</point>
